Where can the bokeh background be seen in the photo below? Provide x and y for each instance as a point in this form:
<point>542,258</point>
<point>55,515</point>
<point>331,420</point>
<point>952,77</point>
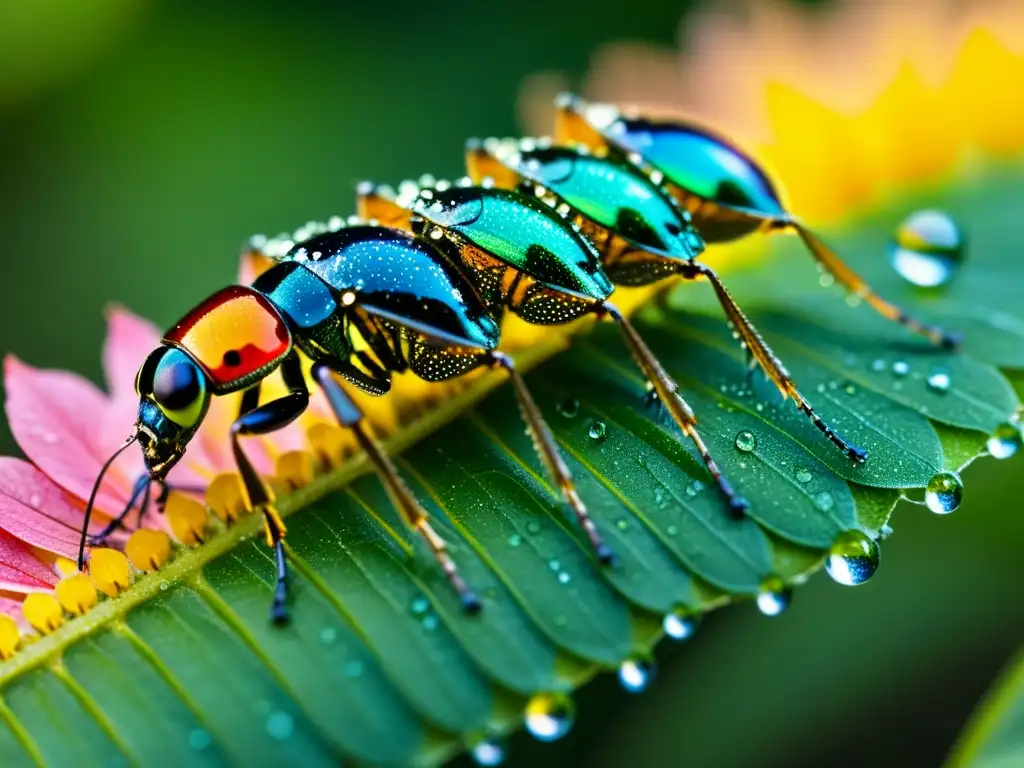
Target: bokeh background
<point>141,142</point>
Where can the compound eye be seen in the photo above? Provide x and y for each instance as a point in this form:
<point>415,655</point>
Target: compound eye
<point>179,388</point>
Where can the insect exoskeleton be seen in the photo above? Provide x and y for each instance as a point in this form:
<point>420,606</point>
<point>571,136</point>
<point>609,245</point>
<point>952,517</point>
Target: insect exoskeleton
<point>726,191</point>
<point>528,258</point>
<point>640,232</point>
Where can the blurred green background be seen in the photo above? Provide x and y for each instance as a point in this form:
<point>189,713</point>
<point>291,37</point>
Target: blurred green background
<point>142,142</point>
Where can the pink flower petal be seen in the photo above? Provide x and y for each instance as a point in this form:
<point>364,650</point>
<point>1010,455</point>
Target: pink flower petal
<point>10,608</point>
<point>57,419</point>
<point>38,512</point>
<point>130,339</point>
<point>20,569</point>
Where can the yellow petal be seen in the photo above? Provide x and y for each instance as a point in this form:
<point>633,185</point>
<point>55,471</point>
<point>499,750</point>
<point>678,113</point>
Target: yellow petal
<point>76,594</point>
<point>226,497</point>
<point>9,636</point>
<point>148,550</point>
<point>42,611</point>
<point>109,571</point>
<point>330,443</point>
<point>65,567</point>
<point>187,518</point>
<point>296,469</point>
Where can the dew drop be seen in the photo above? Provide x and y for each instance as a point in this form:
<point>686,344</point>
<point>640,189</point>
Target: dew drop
<point>1005,441</point>
<point>199,740</point>
<point>637,672</point>
<point>164,586</point>
<point>803,475</point>
<point>852,559</point>
<point>515,540</point>
<point>420,605</point>
<point>549,716</point>
<point>694,488</point>
<point>35,500</point>
<point>746,442</point>
<point>598,430</point>
<point>328,635</point>
<point>927,249</point>
<point>622,524</point>
<point>555,565</point>
<point>280,725</point>
<point>938,381</point>
<point>944,493</point>
<point>900,368</point>
<point>774,597</point>
<point>885,532</point>
<point>878,365</point>
<point>680,624</point>
<point>568,408</point>
<point>564,578</point>
<point>671,530</point>
<point>353,668</point>
<point>430,622</point>
<point>533,527</point>
<point>488,752</point>
<point>824,501</point>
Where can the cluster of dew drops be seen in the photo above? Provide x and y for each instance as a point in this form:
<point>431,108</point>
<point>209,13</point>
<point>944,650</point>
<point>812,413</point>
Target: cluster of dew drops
<point>927,250</point>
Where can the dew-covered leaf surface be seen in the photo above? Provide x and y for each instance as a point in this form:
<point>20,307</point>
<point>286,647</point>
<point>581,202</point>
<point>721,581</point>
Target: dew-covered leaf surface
<point>379,664</point>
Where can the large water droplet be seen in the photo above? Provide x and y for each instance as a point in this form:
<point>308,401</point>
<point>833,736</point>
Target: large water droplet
<point>420,605</point>
<point>280,725</point>
<point>939,381</point>
<point>852,559</point>
<point>803,475</point>
<point>680,624</point>
<point>549,716</point>
<point>488,752</point>
<point>1005,441</point>
<point>944,493</point>
<point>637,672</point>
<point>328,635</point>
<point>568,408</point>
<point>694,488</point>
<point>928,249</point>
<point>746,442</point>
<point>900,368</point>
<point>598,430</point>
<point>774,597</point>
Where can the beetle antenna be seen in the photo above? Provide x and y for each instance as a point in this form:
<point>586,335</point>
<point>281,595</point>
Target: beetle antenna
<point>92,497</point>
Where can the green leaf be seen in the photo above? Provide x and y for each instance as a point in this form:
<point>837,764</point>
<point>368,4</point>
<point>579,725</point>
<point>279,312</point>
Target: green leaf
<point>379,664</point>
<point>994,736</point>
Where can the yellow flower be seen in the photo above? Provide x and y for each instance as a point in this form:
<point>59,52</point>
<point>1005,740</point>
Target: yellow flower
<point>844,104</point>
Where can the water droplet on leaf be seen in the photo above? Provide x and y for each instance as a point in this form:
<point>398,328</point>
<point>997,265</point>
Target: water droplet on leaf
<point>420,605</point>
<point>900,368</point>
<point>488,752</point>
<point>939,381</point>
<point>803,475</point>
<point>928,249</point>
<point>694,488</point>
<point>944,493</point>
<point>597,430</point>
<point>680,624</point>
<point>280,725</point>
<point>549,716</point>
<point>774,597</point>
<point>568,408</point>
<point>746,442</point>
<point>199,740</point>
<point>637,672</point>
<point>852,559</point>
<point>1005,441</point>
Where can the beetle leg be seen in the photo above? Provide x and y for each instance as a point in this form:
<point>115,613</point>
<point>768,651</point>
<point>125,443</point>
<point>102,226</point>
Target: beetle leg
<point>850,280</point>
<point>678,408</point>
<point>758,348</point>
<point>140,489</point>
<point>263,420</point>
<point>547,450</point>
<point>405,502</point>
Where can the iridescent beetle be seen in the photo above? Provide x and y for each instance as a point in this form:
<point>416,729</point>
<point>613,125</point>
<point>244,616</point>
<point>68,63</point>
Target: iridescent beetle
<point>529,259</point>
<point>725,191</point>
<point>641,234</point>
<point>395,291</point>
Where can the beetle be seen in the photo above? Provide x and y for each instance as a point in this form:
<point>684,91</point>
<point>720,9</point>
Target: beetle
<point>725,190</point>
<point>642,235</point>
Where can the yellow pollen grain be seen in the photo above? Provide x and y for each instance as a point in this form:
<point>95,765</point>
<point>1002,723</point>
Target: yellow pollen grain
<point>226,497</point>
<point>42,611</point>
<point>109,571</point>
<point>9,637</point>
<point>76,594</point>
<point>296,469</point>
<point>187,518</point>
<point>148,550</point>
